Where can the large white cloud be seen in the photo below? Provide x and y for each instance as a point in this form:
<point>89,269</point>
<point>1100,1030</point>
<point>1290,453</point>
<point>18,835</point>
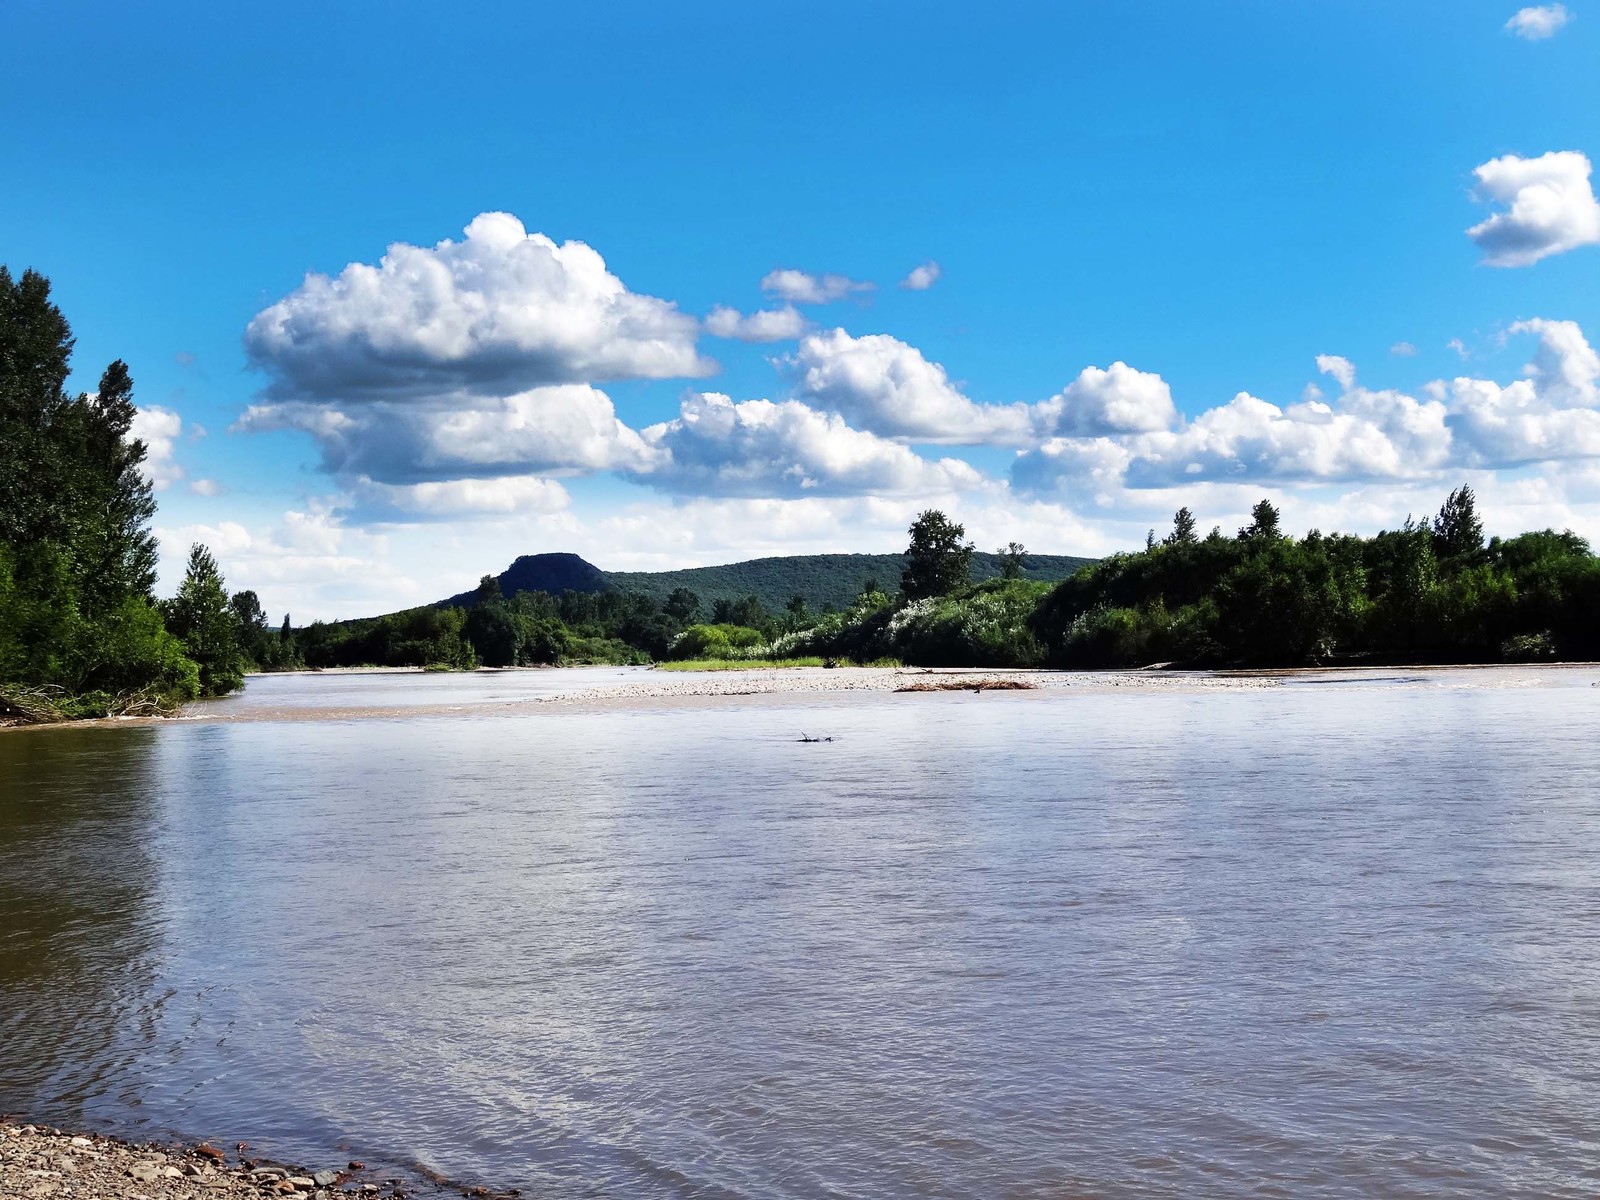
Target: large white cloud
<point>1366,435</point>
<point>1088,473</point>
<point>562,429</point>
<point>1565,368</point>
<point>718,447</point>
<point>881,384</point>
<point>1118,399</point>
<point>500,311</point>
<point>1538,22</point>
<point>884,385</point>
<point>1550,208</point>
<point>1548,416</point>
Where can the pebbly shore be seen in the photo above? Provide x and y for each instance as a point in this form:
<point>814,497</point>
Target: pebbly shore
<point>42,1163</point>
<point>768,681</point>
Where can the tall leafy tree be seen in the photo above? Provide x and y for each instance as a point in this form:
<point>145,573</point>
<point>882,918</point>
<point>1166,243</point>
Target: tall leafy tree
<point>203,619</point>
<point>939,559</point>
<point>1457,531</point>
<point>1183,529</point>
<point>75,512</point>
<point>1263,523</point>
<point>683,606</point>
<point>123,558</point>
<point>490,625</point>
<point>1013,558</point>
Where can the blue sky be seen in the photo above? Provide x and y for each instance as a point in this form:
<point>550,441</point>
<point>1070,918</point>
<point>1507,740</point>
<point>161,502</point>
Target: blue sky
<point>1211,194</point>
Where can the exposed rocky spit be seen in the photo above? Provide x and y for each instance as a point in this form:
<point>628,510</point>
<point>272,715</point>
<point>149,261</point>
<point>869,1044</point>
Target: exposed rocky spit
<point>764,681</point>
<point>42,1163</point>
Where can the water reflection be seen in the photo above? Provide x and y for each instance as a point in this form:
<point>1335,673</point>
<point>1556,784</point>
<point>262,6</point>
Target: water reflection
<point>1312,941</point>
<point>80,861</point>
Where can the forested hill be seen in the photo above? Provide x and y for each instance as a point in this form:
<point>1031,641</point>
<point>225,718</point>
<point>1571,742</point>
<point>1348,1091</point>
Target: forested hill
<point>822,579</point>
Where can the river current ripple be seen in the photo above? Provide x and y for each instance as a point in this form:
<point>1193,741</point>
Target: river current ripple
<point>1337,937</point>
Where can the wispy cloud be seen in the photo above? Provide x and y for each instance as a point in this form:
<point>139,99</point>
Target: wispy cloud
<point>799,287</point>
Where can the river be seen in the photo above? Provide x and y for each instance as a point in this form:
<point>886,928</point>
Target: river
<point>1338,936</point>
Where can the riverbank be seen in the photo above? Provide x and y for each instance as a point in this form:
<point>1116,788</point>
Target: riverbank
<point>42,1163</point>
<point>764,681</point>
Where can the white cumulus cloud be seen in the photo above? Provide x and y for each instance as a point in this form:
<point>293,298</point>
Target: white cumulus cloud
<point>500,311</point>
<point>1548,416</point>
<point>1367,435</point>
<point>1118,399</point>
<point>1565,367</point>
<point>801,287</point>
<point>1363,436</point>
<point>1538,22</point>
<point>1550,208</point>
<point>563,429</point>
<point>881,384</point>
<point>764,448</point>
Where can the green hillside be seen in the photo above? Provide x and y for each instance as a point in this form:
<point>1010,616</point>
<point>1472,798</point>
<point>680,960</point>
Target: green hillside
<point>821,578</point>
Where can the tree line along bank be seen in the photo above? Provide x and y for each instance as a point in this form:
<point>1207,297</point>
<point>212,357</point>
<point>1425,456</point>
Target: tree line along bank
<point>1431,591</point>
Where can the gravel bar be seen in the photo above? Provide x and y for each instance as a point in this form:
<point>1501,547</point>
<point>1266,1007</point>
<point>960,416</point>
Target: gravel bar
<point>42,1163</point>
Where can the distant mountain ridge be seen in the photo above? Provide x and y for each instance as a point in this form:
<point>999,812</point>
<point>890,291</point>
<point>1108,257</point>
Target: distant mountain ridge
<point>822,579</point>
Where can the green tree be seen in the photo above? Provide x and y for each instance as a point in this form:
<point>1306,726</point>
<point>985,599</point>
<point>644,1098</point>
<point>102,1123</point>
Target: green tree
<point>1457,531</point>
<point>490,627</point>
<point>683,606</point>
<point>938,561</point>
<point>122,555</point>
<point>1013,558</point>
<point>75,509</point>
<point>256,642</point>
<point>1183,529</point>
<point>203,619</point>
<point>1263,523</point>
<point>797,615</point>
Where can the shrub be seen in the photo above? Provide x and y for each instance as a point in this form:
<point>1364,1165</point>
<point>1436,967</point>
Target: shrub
<point>716,641</point>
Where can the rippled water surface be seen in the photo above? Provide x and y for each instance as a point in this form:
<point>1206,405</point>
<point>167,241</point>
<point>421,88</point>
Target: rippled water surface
<point>1336,937</point>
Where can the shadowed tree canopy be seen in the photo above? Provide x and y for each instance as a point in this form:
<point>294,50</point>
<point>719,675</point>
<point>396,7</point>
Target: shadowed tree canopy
<point>939,560</point>
<point>1457,531</point>
<point>1183,529</point>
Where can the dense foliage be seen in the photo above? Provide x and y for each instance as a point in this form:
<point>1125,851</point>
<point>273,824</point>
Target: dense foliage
<point>1430,591</point>
<point>529,629</point>
<point>939,559</point>
<point>80,631</point>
